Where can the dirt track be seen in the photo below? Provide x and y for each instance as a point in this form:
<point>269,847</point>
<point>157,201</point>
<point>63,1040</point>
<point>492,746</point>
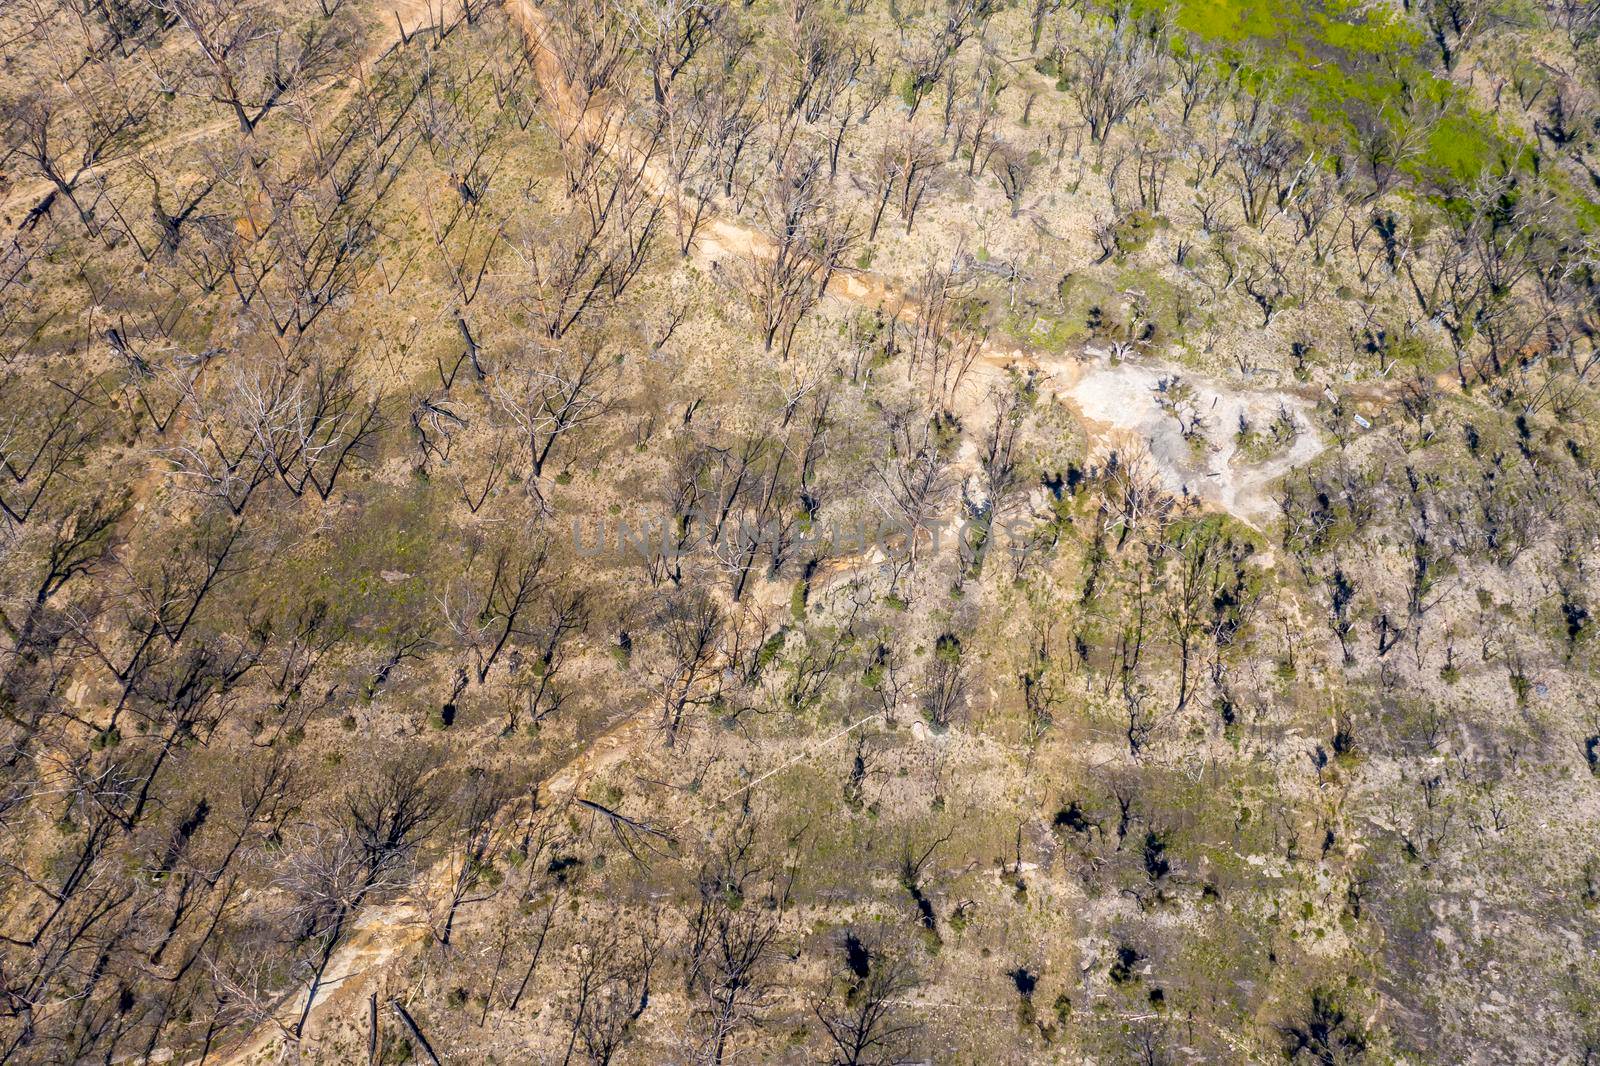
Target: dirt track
<point>383,933</point>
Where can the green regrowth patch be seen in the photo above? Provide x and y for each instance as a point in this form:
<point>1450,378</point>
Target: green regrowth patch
<point>383,560</point>
<point>1349,69</point>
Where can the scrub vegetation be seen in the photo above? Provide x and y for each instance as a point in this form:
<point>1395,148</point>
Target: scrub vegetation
<point>841,531</point>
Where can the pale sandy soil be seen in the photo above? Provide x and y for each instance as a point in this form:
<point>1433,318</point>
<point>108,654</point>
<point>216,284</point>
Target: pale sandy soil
<point>1123,400</point>
<point>1115,404</point>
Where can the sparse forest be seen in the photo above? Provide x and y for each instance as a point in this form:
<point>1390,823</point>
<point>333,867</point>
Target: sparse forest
<point>825,531</point>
